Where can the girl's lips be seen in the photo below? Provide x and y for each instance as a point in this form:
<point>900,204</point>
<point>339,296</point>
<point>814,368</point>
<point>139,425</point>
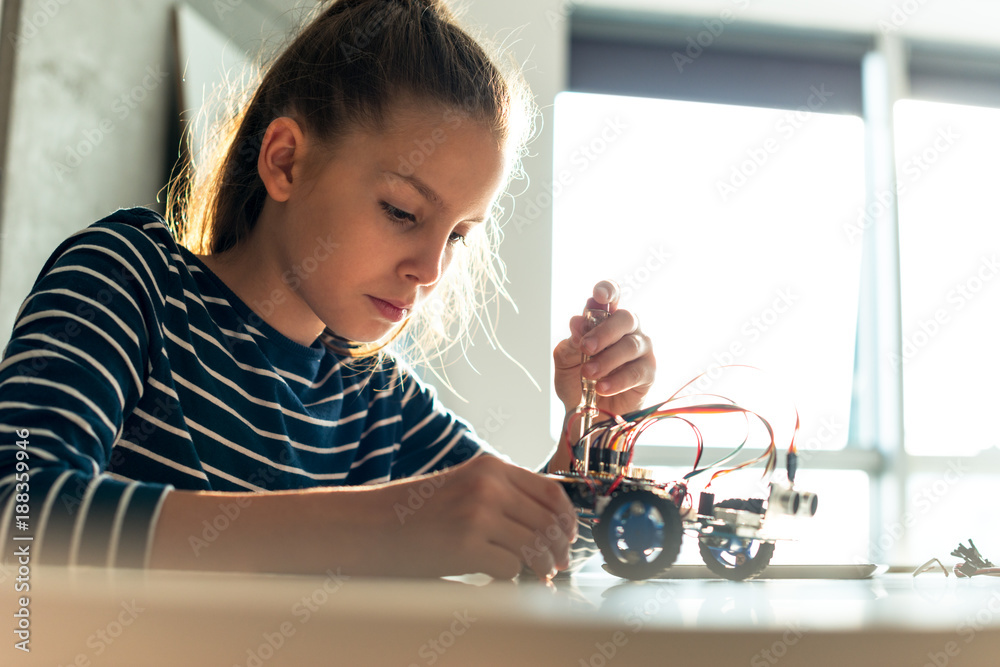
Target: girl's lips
<point>389,311</point>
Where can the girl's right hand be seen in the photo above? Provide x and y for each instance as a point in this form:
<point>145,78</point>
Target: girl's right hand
<point>484,515</point>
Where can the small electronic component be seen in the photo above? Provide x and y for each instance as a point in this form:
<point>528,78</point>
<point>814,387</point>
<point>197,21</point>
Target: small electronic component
<point>973,561</point>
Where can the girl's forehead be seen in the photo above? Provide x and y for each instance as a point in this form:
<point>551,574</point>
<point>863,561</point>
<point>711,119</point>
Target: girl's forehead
<point>446,159</point>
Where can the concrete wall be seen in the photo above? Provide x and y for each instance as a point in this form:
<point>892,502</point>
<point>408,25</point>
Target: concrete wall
<point>93,87</point>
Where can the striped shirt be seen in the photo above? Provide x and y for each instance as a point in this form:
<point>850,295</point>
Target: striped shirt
<point>133,370</point>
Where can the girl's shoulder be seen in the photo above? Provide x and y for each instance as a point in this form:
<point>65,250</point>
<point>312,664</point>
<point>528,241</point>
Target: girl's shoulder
<point>138,224</point>
<point>129,255</point>
<point>138,231</point>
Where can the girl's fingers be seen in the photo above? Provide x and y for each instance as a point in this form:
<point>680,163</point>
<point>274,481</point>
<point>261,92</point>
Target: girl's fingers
<point>619,324</point>
<point>517,511</point>
<point>607,291</point>
<point>629,376</point>
<point>630,348</point>
<point>523,544</point>
<point>540,532</point>
<point>498,561</point>
<point>548,494</point>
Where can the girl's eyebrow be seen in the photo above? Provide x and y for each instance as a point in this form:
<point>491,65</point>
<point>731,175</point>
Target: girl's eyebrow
<point>427,191</point>
<point>420,186</point>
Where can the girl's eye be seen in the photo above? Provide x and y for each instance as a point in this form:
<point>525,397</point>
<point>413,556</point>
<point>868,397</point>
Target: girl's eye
<point>456,238</point>
<point>396,214</point>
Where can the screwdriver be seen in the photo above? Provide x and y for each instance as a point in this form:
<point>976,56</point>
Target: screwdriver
<point>595,313</point>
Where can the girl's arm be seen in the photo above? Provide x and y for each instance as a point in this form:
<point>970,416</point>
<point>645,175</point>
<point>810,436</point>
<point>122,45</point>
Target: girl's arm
<point>484,515</point>
<point>74,367</point>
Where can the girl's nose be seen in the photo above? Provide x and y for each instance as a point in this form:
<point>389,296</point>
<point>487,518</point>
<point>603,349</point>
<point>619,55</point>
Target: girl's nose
<point>427,262</point>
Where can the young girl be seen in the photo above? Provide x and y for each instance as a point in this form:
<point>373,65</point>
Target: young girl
<point>154,389</point>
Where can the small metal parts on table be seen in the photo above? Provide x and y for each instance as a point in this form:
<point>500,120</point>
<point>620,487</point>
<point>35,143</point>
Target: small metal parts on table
<point>973,563</point>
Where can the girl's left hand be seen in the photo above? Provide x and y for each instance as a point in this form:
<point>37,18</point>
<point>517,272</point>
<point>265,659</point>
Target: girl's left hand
<point>621,358</point>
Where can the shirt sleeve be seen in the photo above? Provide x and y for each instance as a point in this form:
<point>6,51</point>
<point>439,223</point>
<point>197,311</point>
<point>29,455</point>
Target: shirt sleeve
<point>74,368</point>
<point>433,438</point>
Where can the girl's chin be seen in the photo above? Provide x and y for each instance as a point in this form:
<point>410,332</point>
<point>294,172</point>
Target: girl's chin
<point>369,335</point>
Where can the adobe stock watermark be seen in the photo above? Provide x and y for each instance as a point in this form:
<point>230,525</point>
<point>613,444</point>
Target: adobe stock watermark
<point>33,363</point>
<point>767,657</point>
<point>223,7</point>
<point>957,299</point>
<point>545,539</point>
<point>102,638</point>
<point>633,281</point>
<point>900,15</point>
<point>433,649</point>
<point>562,12</point>
<point>453,118</point>
<point>829,429</point>
<point>752,329</point>
<point>302,611</point>
<point>909,172</point>
<point>93,137</point>
<point>32,23</point>
<point>923,501</point>
<point>417,496</point>
<point>785,128</point>
<point>293,278</point>
<point>967,630</point>
<point>635,620</point>
<point>140,428</point>
<point>581,159</point>
<point>420,492</point>
<point>228,513</point>
<point>704,39</point>
<point>495,420</point>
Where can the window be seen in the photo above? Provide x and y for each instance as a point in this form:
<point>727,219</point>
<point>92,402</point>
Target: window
<point>949,244</point>
<point>737,193</point>
<point>730,250</point>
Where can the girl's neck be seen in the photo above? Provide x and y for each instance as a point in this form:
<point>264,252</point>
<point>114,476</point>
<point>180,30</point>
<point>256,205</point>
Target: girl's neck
<point>251,273</point>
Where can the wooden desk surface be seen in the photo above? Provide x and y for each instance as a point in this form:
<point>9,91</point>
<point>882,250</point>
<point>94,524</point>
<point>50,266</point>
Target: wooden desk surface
<point>93,617</point>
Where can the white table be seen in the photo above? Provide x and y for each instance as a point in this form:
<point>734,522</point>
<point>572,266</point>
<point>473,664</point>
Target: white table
<point>94,617</point>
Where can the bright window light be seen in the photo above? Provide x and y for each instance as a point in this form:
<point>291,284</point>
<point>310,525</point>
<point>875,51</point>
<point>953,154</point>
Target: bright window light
<point>937,514</point>
<point>841,515</point>
<point>949,250</point>
<point>730,231</point>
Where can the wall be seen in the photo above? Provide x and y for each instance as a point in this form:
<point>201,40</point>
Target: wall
<point>93,86</point>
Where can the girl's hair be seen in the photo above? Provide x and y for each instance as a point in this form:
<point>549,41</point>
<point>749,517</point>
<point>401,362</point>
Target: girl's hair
<point>345,70</point>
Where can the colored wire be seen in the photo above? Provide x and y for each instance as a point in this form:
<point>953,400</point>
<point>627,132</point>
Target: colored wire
<point>620,434</point>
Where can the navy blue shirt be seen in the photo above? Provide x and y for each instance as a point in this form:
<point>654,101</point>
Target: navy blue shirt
<point>132,370</point>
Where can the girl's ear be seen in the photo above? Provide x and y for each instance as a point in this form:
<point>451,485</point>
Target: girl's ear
<point>281,157</point>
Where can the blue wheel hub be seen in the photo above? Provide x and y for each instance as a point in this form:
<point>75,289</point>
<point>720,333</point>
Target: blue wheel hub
<point>736,549</point>
<point>638,526</point>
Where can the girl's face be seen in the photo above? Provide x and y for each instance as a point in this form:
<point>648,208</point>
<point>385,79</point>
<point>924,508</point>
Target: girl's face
<point>369,234</point>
